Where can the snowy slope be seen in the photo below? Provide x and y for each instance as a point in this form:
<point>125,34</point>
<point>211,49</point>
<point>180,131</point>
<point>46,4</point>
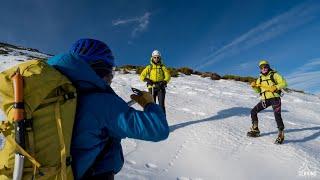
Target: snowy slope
<point>208,121</point>
<point>11,55</point>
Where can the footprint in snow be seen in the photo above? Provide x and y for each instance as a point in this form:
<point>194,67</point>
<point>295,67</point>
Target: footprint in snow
<point>172,92</point>
<point>185,109</point>
<point>183,178</point>
<point>201,90</point>
<point>199,113</point>
<point>151,166</point>
<point>292,123</point>
<point>171,164</point>
<point>192,93</point>
<point>187,178</point>
<point>131,162</point>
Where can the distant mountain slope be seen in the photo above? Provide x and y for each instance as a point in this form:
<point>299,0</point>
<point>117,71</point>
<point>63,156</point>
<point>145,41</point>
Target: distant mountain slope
<point>11,55</point>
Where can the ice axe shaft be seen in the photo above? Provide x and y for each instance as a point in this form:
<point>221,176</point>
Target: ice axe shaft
<point>18,167</point>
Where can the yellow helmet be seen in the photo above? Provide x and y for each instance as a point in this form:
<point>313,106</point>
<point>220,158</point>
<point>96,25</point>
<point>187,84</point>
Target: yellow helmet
<point>263,62</point>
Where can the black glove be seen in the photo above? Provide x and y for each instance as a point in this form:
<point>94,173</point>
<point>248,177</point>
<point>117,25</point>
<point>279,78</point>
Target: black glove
<point>163,83</point>
<point>149,82</point>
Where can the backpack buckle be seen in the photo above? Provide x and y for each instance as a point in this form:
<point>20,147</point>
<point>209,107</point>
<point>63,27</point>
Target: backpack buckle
<point>69,96</point>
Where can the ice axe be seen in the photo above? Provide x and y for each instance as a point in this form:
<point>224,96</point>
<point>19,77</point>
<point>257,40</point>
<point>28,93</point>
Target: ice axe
<point>19,119</point>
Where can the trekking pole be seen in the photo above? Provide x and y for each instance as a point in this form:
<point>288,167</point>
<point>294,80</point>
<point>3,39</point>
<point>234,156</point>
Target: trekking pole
<point>19,119</point>
<point>152,91</point>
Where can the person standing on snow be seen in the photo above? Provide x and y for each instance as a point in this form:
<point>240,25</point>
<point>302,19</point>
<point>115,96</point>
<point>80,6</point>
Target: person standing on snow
<point>157,77</point>
<point>269,85</point>
<point>103,118</point>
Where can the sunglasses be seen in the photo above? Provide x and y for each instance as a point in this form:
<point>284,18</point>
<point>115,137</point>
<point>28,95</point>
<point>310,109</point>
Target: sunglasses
<point>264,67</point>
<point>156,57</point>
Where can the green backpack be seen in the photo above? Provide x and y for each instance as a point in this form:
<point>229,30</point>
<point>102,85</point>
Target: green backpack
<point>50,107</point>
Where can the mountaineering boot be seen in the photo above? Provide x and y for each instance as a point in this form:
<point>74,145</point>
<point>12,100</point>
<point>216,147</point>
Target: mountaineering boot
<point>254,131</point>
<point>280,137</point>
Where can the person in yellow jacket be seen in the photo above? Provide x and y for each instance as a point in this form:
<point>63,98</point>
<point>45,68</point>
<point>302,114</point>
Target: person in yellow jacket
<point>157,76</point>
<point>269,85</point>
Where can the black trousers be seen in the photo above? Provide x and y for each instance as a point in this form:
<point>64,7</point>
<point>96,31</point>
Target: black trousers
<point>161,94</point>
<point>276,105</point>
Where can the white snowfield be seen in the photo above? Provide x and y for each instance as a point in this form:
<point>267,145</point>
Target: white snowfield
<point>16,56</point>
<point>208,125</point>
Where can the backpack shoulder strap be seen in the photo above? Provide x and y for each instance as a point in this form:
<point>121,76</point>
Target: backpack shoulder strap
<point>149,70</point>
<point>272,77</point>
<point>260,79</point>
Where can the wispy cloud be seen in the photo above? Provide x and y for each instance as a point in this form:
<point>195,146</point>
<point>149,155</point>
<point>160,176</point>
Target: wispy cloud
<point>306,77</point>
<point>141,23</point>
<point>295,17</point>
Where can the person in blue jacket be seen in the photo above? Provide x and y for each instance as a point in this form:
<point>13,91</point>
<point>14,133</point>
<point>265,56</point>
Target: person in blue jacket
<point>103,118</point>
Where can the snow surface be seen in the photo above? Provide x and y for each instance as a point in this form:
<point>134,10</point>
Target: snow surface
<point>208,124</point>
<point>16,56</point>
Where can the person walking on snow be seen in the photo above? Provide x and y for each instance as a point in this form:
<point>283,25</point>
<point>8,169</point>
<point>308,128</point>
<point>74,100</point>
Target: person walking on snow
<point>269,85</point>
<point>102,117</point>
<point>157,76</point>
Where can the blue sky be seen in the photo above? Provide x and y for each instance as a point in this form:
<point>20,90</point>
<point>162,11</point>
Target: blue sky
<point>227,37</point>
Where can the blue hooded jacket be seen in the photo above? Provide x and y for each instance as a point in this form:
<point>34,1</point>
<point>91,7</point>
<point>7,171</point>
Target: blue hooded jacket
<point>103,115</point>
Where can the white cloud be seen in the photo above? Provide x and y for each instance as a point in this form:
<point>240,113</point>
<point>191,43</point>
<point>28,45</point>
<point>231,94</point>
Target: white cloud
<point>126,21</point>
<point>306,77</point>
<point>266,31</point>
<point>141,23</point>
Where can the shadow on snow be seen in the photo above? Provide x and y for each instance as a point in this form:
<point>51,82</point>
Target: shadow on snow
<point>226,113</point>
<point>304,139</point>
<point>243,111</point>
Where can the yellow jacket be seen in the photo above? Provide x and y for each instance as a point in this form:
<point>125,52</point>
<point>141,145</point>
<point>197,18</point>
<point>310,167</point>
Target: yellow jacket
<point>264,82</point>
<point>156,72</point>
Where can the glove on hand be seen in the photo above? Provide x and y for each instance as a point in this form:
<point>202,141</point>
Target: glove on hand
<point>149,82</point>
<point>273,88</point>
<point>163,83</point>
<point>144,99</point>
<point>253,84</point>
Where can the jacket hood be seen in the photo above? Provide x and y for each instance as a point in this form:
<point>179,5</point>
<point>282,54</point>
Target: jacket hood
<point>78,71</point>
